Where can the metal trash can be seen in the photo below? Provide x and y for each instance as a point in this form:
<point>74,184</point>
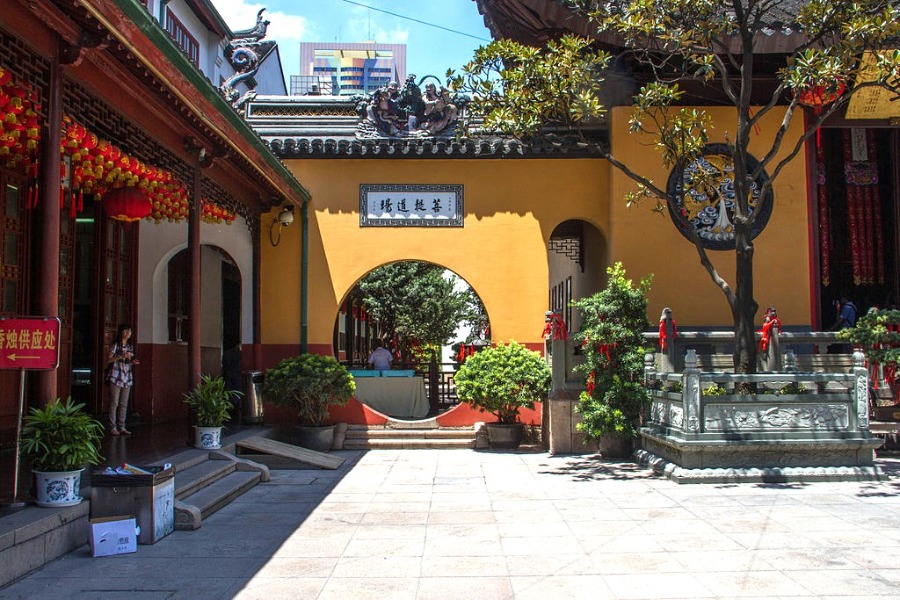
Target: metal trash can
<point>252,401</point>
<point>149,497</point>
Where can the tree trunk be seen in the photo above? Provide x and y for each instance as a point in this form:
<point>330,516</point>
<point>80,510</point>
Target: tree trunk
<point>744,309</point>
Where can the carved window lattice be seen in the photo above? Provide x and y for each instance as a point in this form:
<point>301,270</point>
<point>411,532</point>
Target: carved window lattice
<point>302,111</point>
<point>112,126</point>
<point>570,247</point>
<point>212,191</point>
<point>25,66</point>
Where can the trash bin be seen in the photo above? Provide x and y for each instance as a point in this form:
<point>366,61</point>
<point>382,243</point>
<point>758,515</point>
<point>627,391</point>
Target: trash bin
<point>149,497</point>
<point>252,401</point>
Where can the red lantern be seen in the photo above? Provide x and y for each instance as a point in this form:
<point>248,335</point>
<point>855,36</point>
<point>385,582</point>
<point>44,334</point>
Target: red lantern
<point>126,204</point>
<point>818,96</point>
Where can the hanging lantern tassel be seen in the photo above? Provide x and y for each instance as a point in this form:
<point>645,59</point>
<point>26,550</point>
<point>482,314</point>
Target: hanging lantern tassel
<point>126,204</point>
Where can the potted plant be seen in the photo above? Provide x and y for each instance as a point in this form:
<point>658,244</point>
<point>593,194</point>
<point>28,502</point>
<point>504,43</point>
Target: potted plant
<point>212,403</point>
<point>611,336</point>
<point>501,380</point>
<point>60,440</point>
<point>877,335</point>
<point>310,383</point>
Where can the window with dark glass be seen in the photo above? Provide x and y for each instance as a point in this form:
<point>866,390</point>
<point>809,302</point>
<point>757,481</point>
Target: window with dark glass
<point>182,37</point>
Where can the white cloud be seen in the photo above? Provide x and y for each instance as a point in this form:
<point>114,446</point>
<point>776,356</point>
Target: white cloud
<point>283,28</point>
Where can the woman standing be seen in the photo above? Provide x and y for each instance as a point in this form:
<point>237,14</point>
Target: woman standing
<point>119,377</point>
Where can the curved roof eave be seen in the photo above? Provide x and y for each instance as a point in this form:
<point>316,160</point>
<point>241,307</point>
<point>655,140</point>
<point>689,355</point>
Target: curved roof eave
<point>133,27</point>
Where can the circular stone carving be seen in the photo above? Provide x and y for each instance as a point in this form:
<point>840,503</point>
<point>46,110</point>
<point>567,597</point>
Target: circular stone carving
<point>705,203</point>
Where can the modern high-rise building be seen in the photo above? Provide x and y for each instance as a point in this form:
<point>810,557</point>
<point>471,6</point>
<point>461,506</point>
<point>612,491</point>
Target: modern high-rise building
<point>345,69</point>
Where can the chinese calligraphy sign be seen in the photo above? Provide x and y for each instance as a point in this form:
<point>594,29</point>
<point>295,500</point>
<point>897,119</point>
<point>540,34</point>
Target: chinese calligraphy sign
<point>29,343</point>
<point>400,205</point>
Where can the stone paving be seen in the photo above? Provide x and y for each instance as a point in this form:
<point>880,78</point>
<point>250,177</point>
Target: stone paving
<point>449,524</point>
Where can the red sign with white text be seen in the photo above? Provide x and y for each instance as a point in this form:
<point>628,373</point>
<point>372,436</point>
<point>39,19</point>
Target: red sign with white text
<point>30,343</point>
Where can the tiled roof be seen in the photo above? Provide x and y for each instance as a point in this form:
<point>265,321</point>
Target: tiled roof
<point>326,126</point>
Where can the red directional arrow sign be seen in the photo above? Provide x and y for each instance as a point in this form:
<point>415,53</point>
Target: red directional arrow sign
<point>30,343</point>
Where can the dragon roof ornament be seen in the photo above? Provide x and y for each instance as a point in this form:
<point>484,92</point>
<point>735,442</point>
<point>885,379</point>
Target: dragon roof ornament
<point>244,52</point>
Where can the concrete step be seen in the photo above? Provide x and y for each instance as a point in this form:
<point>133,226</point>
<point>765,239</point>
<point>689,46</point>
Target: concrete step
<point>208,486</point>
<point>409,444</point>
<point>421,434</point>
<point>200,475</point>
<point>214,496</point>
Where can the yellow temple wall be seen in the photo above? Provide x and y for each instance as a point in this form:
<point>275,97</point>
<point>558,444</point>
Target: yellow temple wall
<point>511,207</point>
<point>646,242</point>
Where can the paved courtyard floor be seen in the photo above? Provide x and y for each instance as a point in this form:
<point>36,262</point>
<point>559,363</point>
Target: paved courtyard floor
<point>449,524</point>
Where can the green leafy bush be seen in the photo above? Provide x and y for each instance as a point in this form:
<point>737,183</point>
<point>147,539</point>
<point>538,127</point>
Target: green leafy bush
<point>792,388</point>
<point>61,437</point>
<point>310,383</point>
<point>503,379</point>
<point>613,323</point>
<point>714,389</point>
<point>877,333</point>
<point>211,401</point>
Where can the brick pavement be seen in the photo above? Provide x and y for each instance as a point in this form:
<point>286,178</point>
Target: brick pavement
<point>450,524</point>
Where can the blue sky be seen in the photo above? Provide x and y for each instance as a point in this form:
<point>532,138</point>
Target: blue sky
<point>429,50</point>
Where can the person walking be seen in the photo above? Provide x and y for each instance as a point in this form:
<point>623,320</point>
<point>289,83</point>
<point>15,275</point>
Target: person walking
<point>119,376</point>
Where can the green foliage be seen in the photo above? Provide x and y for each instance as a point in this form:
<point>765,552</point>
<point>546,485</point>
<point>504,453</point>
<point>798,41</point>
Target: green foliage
<point>613,323</point>
<point>877,333</point>
<point>61,437</point>
<point>211,401</point>
<point>793,388</point>
<point>530,92</point>
<point>419,305</point>
<point>503,379</point>
<point>519,88</point>
<point>714,389</point>
<point>310,383</point>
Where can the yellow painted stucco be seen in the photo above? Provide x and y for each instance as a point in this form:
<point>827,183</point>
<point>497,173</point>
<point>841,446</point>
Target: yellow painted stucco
<point>511,207</point>
<point>647,242</point>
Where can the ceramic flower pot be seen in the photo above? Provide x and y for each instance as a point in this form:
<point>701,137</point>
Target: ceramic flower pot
<point>319,439</point>
<point>55,489</point>
<point>208,438</point>
<point>505,436</point>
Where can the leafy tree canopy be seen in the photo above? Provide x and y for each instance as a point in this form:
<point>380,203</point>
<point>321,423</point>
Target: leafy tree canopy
<point>419,304</point>
<point>835,48</point>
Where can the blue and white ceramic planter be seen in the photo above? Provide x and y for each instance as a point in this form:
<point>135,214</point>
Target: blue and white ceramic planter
<point>208,438</point>
<point>56,489</point>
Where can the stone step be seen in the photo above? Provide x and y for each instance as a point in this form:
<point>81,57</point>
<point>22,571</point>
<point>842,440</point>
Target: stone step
<point>208,486</point>
<point>421,434</point>
<point>214,496</point>
<point>198,476</point>
<point>409,444</point>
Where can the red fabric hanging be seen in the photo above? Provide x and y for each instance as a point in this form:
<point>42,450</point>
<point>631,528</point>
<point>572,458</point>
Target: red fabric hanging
<point>771,321</point>
<point>555,327</point>
<point>663,338</point>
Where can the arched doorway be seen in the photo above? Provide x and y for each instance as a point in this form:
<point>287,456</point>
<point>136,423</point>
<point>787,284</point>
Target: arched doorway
<point>220,297</point>
<point>578,256</point>
<point>426,316</point>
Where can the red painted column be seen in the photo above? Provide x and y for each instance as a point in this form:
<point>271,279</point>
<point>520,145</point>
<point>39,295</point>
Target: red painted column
<point>47,271</point>
<point>194,304</point>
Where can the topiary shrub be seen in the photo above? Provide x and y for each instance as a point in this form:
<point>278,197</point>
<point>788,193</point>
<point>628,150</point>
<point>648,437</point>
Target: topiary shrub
<point>309,383</point>
<point>613,323</point>
<point>503,379</point>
